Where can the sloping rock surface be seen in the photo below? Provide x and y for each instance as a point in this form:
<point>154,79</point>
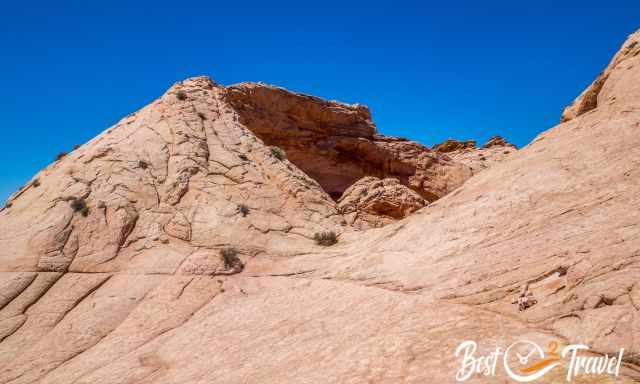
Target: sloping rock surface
<point>135,291</point>
<point>603,93</point>
<point>163,183</point>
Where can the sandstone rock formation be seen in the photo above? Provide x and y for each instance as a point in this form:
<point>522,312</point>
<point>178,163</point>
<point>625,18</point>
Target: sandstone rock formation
<point>337,144</point>
<point>494,151</point>
<point>615,94</point>
<point>134,290</point>
<point>452,145</point>
<point>498,141</point>
<point>371,202</point>
<point>165,181</point>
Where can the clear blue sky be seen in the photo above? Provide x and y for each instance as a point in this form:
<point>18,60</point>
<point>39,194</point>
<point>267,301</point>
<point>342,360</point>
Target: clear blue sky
<point>428,70</point>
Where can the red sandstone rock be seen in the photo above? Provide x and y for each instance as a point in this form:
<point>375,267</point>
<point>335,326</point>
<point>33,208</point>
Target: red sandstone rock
<point>336,144</point>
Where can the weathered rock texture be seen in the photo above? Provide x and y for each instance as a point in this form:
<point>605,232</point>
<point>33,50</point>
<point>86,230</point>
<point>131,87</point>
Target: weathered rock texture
<point>163,189</point>
<point>452,145</point>
<point>337,144</point>
<point>605,93</point>
<point>494,151</point>
<point>136,290</point>
<point>371,202</point>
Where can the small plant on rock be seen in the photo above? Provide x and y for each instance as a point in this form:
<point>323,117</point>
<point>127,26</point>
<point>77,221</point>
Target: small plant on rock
<point>230,257</point>
<point>77,146</point>
<point>61,155</point>
<point>202,116</point>
<point>326,239</point>
<point>80,205</point>
<point>8,204</point>
<point>243,209</point>
<point>277,153</point>
<point>143,164</point>
<point>181,95</point>
<point>36,183</point>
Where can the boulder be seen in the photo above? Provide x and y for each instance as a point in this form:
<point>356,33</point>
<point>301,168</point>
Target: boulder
<point>372,202</point>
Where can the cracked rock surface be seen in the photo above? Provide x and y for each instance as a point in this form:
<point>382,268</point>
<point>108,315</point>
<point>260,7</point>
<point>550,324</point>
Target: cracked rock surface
<point>111,269</point>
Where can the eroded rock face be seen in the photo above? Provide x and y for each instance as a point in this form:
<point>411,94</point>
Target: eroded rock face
<point>498,141</point>
<point>451,145</point>
<point>557,223</point>
<point>617,92</point>
<point>162,183</point>
<point>372,202</point>
<point>337,144</point>
<point>494,151</point>
<point>136,291</point>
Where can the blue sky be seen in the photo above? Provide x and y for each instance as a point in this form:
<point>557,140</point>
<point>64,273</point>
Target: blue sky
<point>428,70</point>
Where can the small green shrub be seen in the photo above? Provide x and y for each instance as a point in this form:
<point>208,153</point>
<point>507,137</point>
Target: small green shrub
<point>61,155</point>
<point>79,205</point>
<point>243,209</point>
<point>326,238</point>
<point>230,257</point>
<point>36,183</point>
<point>181,95</point>
<point>277,153</point>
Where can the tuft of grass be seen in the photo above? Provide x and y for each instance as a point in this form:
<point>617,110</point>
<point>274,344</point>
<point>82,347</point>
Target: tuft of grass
<point>143,164</point>
<point>181,95</point>
<point>277,153</point>
<point>36,183</point>
<point>8,204</point>
<point>326,239</point>
<point>79,205</point>
<point>77,146</point>
<point>230,257</point>
<point>243,209</point>
<point>61,155</point>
